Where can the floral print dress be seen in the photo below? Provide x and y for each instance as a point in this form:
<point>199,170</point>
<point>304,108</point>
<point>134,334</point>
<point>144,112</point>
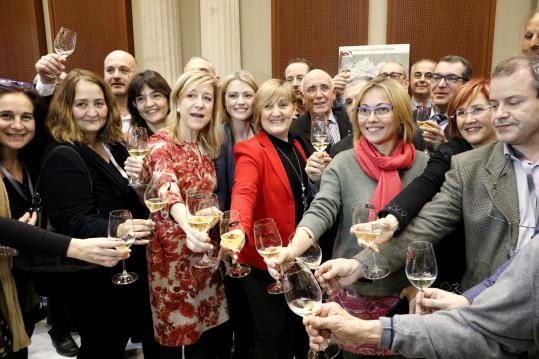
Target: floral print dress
<point>186,301</point>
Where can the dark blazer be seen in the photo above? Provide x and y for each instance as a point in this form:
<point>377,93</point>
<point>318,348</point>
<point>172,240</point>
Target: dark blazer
<point>80,208</point>
<point>302,128</point>
<point>261,189</point>
<point>424,115</point>
<point>224,169</point>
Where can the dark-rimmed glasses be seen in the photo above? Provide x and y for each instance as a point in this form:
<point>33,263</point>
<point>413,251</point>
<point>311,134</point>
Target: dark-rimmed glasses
<point>391,75</point>
<point>451,78</point>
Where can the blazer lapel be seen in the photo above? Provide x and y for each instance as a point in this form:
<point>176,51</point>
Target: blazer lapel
<point>275,161</point>
<point>501,185</point>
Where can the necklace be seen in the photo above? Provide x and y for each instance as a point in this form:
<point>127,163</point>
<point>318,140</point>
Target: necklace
<point>299,175</point>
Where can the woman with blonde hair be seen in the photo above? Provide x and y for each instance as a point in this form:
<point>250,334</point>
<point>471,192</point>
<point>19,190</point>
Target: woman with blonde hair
<point>81,183</point>
<point>237,96</point>
<point>382,162</point>
<point>270,181</point>
<point>188,303</point>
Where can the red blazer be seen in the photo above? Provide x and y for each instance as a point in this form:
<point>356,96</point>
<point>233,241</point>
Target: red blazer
<point>262,190</point>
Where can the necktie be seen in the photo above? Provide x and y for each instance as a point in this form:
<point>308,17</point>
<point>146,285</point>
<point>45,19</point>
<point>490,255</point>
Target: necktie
<point>440,118</point>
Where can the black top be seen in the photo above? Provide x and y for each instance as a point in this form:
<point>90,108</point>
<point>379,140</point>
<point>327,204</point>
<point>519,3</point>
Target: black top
<point>294,166</point>
<point>31,238</point>
<point>79,207</point>
<point>19,205</point>
<point>407,204</point>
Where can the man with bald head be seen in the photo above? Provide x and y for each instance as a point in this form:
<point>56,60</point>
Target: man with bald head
<point>318,94</point>
<point>120,68</point>
<point>201,64</point>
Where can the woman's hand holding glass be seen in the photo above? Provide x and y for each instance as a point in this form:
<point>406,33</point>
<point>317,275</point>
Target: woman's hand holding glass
<point>137,146</point>
<point>202,214</point>
<point>121,226</point>
<point>232,241</point>
<point>341,271</point>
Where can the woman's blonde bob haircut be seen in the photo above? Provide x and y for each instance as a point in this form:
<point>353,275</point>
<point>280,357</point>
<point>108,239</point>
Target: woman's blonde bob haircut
<point>270,91</point>
<point>60,121</point>
<point>210,137</point>
<point>239,75</point>
<point>398,99</point>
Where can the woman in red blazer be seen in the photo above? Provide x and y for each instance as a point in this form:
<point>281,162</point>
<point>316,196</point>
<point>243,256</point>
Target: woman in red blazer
<point>270,181</point>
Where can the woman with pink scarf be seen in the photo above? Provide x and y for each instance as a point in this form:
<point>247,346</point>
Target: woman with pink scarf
<point>382,162</point>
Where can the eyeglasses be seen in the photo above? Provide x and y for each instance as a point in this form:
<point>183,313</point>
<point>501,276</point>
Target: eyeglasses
<point>476,110</point>
<point>419,74</point>
<point>380,111</point>
<point>391,75</point>
<point>451,78</point>
<point>8,83</point>
<point>313,89</point>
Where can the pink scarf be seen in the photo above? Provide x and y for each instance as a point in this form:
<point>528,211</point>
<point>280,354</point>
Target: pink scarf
<point>384,169</point>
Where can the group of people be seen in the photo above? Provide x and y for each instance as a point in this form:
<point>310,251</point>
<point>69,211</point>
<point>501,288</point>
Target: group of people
<point>473,195</point>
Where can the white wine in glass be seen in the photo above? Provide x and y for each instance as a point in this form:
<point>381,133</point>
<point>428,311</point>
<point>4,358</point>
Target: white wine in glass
<point>233,239</point>
<point>65,41</point>
<point>202,215</point>
<point>421,267</point>
<point>121,227</point>
<point>366,231</point>
<point>138,147</point>
<point>268,244</point>
<point>319,133</point>
<point>156,193</point>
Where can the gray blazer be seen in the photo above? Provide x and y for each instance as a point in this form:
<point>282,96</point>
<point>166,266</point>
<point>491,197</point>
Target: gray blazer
<point>477,179</point>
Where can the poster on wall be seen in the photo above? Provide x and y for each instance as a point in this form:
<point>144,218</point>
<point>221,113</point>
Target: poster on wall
<point>367,60</point>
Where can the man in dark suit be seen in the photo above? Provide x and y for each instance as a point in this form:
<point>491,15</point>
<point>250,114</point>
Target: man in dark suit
<point>449,75</point>
<point>319,94</point>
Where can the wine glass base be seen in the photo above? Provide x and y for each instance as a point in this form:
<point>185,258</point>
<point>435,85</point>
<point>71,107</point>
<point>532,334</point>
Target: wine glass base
<point>239,271</point>
<point>124,278</point>
<point>278,288</point>
<point>205,262</point>
<point>377,273</point>
<point>331,351</point>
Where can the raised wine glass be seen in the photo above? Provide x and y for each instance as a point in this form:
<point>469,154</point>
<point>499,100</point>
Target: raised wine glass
<point>233,239</point>
<point>121,227</point>
<point>156,193</point>
<point>137,146</point>
<point>304,297</point>
<point>202,215</point>
<point>319,133</point>
<point>65,41</point>
<point>268,244</point>
<point>366,232</point>
<point>421,267</point>
<point>311,258</point>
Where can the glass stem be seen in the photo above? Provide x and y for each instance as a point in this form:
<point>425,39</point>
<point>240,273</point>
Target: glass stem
<point>374,258</point>
<point>124,272</point>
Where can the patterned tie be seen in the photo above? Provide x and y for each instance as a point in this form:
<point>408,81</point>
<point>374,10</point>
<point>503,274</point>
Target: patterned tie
<point>440,118</point>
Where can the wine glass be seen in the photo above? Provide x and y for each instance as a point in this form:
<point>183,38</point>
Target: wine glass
<point>121,227</point>
<point>268,244</point>
<point>156,193</point>
<point>65,41</point>
<point>233,239</point>
<point>304,297</point>
<point>421,268</point>
<point>202,215</point>
<point>319,133</point>
<point>366,232</point>
<point>137,146</point>
<point>311,258</point>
